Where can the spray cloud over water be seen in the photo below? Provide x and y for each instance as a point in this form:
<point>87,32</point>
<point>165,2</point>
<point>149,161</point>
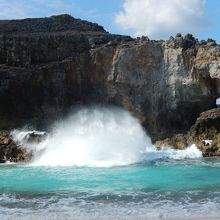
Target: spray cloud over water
<point>98,136</point>
<point>94,137</point>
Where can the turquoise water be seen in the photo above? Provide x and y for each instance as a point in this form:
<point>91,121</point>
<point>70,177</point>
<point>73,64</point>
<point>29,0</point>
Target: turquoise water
<point>159,188</point>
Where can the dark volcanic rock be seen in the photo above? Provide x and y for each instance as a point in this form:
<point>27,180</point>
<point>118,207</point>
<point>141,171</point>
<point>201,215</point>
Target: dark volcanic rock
<point>42,40</point>
<point>58,23</point>
<point>205,133</point>
<point>50,65</point>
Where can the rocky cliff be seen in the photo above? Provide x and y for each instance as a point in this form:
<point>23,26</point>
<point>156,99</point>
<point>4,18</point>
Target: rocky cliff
<point>50,65</point>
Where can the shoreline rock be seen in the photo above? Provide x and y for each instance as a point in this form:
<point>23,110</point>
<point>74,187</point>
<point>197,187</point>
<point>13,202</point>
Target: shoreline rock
<point>178,141</point>
<point>205,133</point>
<point>10,151</point>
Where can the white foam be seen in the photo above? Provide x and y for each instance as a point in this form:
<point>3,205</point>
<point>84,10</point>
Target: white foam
<point>154,206</point>
<point>191,152</point>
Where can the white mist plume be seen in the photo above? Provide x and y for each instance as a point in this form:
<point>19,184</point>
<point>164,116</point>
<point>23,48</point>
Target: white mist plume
<point>162,18</point>
<point>95,137</point>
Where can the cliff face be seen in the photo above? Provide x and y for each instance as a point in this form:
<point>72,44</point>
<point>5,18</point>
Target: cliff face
<point>52,65</point>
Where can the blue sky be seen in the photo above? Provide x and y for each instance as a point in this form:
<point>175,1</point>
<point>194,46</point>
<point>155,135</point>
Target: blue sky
<point>155,18</point>
<point>213,13</point>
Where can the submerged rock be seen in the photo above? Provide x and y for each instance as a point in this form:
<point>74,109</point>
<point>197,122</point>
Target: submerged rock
<point>205,133</point>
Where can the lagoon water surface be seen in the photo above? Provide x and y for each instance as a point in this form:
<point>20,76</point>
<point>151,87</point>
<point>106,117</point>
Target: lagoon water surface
<point>99,163</point>
<point>160,188</point>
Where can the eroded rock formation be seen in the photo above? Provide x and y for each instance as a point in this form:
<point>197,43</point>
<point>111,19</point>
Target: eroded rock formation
<point>49,66</point>
<point>205,133</point>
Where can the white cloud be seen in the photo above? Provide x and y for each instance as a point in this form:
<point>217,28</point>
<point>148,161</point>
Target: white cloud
<point>162,18</point>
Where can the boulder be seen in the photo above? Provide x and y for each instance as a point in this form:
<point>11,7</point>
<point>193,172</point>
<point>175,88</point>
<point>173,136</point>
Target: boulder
<point>205,133</point>
<point>178,141</point>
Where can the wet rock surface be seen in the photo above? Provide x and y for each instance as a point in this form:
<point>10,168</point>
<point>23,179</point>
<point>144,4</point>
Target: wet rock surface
<point>178,141</point>
<point>10,151</point>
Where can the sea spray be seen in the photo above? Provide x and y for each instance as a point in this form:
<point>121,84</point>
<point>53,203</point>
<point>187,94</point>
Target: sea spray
<point>98,136</point>
<point>95,136</point>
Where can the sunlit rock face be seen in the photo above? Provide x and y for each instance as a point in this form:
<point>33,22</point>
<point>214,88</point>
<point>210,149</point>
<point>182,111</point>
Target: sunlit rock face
<point>68,62</point>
